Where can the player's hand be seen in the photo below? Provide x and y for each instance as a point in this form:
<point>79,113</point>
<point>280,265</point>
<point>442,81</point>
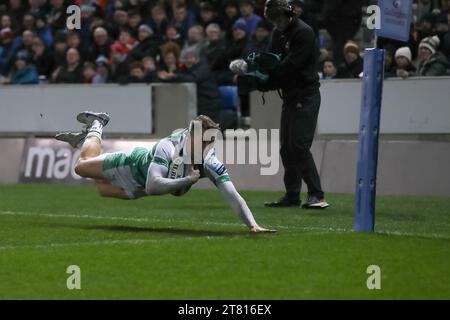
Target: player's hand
<point>194,175</point>
<point>258,229</point>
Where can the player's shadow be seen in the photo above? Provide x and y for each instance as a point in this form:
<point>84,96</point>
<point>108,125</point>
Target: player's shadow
<point>166,230</point>
<point>161,230</point>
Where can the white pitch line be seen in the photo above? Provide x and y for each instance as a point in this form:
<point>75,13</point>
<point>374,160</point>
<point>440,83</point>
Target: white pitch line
<point>135,219</point>
<point>95,243</point>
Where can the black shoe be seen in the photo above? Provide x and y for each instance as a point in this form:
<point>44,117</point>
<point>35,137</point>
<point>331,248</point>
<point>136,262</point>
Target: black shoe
<point>284,202</point>
<point>315,203</point>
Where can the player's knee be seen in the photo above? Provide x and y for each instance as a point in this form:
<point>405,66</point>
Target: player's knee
<point>80,169</point>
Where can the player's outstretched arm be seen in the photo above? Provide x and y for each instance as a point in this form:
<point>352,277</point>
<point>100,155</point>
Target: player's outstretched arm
<point>240,207</point>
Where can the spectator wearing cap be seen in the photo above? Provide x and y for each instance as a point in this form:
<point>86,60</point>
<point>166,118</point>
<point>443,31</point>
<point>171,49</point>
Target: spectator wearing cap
<point>352,67</point>
<point>101,71</point>
<point>148,45</point>
<point>404,67</point>
<point>41,58</point>
<point>119,62</point>
<point>246,9</point>
<point>72,71</point>
<point>431,61</point>
<point>22,72</point>
<point>260,40</point>
<point>101,44</point>
<point>183,18</point>
<point>8,49</point>
<point>208,14</point>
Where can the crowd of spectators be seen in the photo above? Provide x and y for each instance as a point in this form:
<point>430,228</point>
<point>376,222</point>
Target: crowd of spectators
<point>126,41</point>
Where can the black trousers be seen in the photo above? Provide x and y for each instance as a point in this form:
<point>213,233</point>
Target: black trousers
<point>298,125</point>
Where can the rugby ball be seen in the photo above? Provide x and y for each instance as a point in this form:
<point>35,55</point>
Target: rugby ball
<point>177,170</point>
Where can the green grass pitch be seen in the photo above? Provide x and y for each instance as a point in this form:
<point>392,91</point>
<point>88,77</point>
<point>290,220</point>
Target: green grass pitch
<point>194,247</point>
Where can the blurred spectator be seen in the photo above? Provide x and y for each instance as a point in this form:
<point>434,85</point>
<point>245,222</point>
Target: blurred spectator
<point>261,38</point>
<point>16,12</point>
<point>44,32</point>
<point>28,22</point>
<point>147,46</point>
<point>342,20</point>
<point>183,18</point>
<point>159,20</point>
<point>119,62</point>
<point>134,21</point>
<point>215,46</point>
<point>237,48</point>
<point>41,58</point>
<point>56,18</point>
<point>120,20</point>
<point>173,35</point>
<point>37,8</point>
<point>389,62</point>
<point>101,71</point>
<point>170,54</point>
<point>101,44</point>
<point>22,72</point>
<point>89,71</point>
<point>403,60</point>
<point>329,70</point>
<point>197,71</point>
<point>231,10</point>
<point>196,38</point>
<point>301,11</point>
<point>208,14</point>
<point>72,71</point>
<point>431,61</point>
<point>352,67</point>
<point>246,9</point>
<point>136,73</point>
<point>8,50</point>
<point>59,49</point>
<point>6,22</point>
<point>74,41</point>
<point>446,40</point>
<point>149,68</point>
<point>25,43</point>
<point>126,39</point>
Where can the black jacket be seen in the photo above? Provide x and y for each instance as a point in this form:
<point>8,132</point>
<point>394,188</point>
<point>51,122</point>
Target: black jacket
<point>350,71</point>
<point>297,73</point>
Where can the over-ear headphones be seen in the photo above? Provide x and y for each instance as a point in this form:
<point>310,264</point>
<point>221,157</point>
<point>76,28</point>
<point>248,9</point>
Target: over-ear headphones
<point>277,7</point>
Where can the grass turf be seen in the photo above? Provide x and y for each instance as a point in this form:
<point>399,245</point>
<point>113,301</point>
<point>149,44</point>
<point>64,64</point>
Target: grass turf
<point>193,247</point>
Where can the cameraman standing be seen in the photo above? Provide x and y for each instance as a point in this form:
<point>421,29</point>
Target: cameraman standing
<point>297,81</point>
